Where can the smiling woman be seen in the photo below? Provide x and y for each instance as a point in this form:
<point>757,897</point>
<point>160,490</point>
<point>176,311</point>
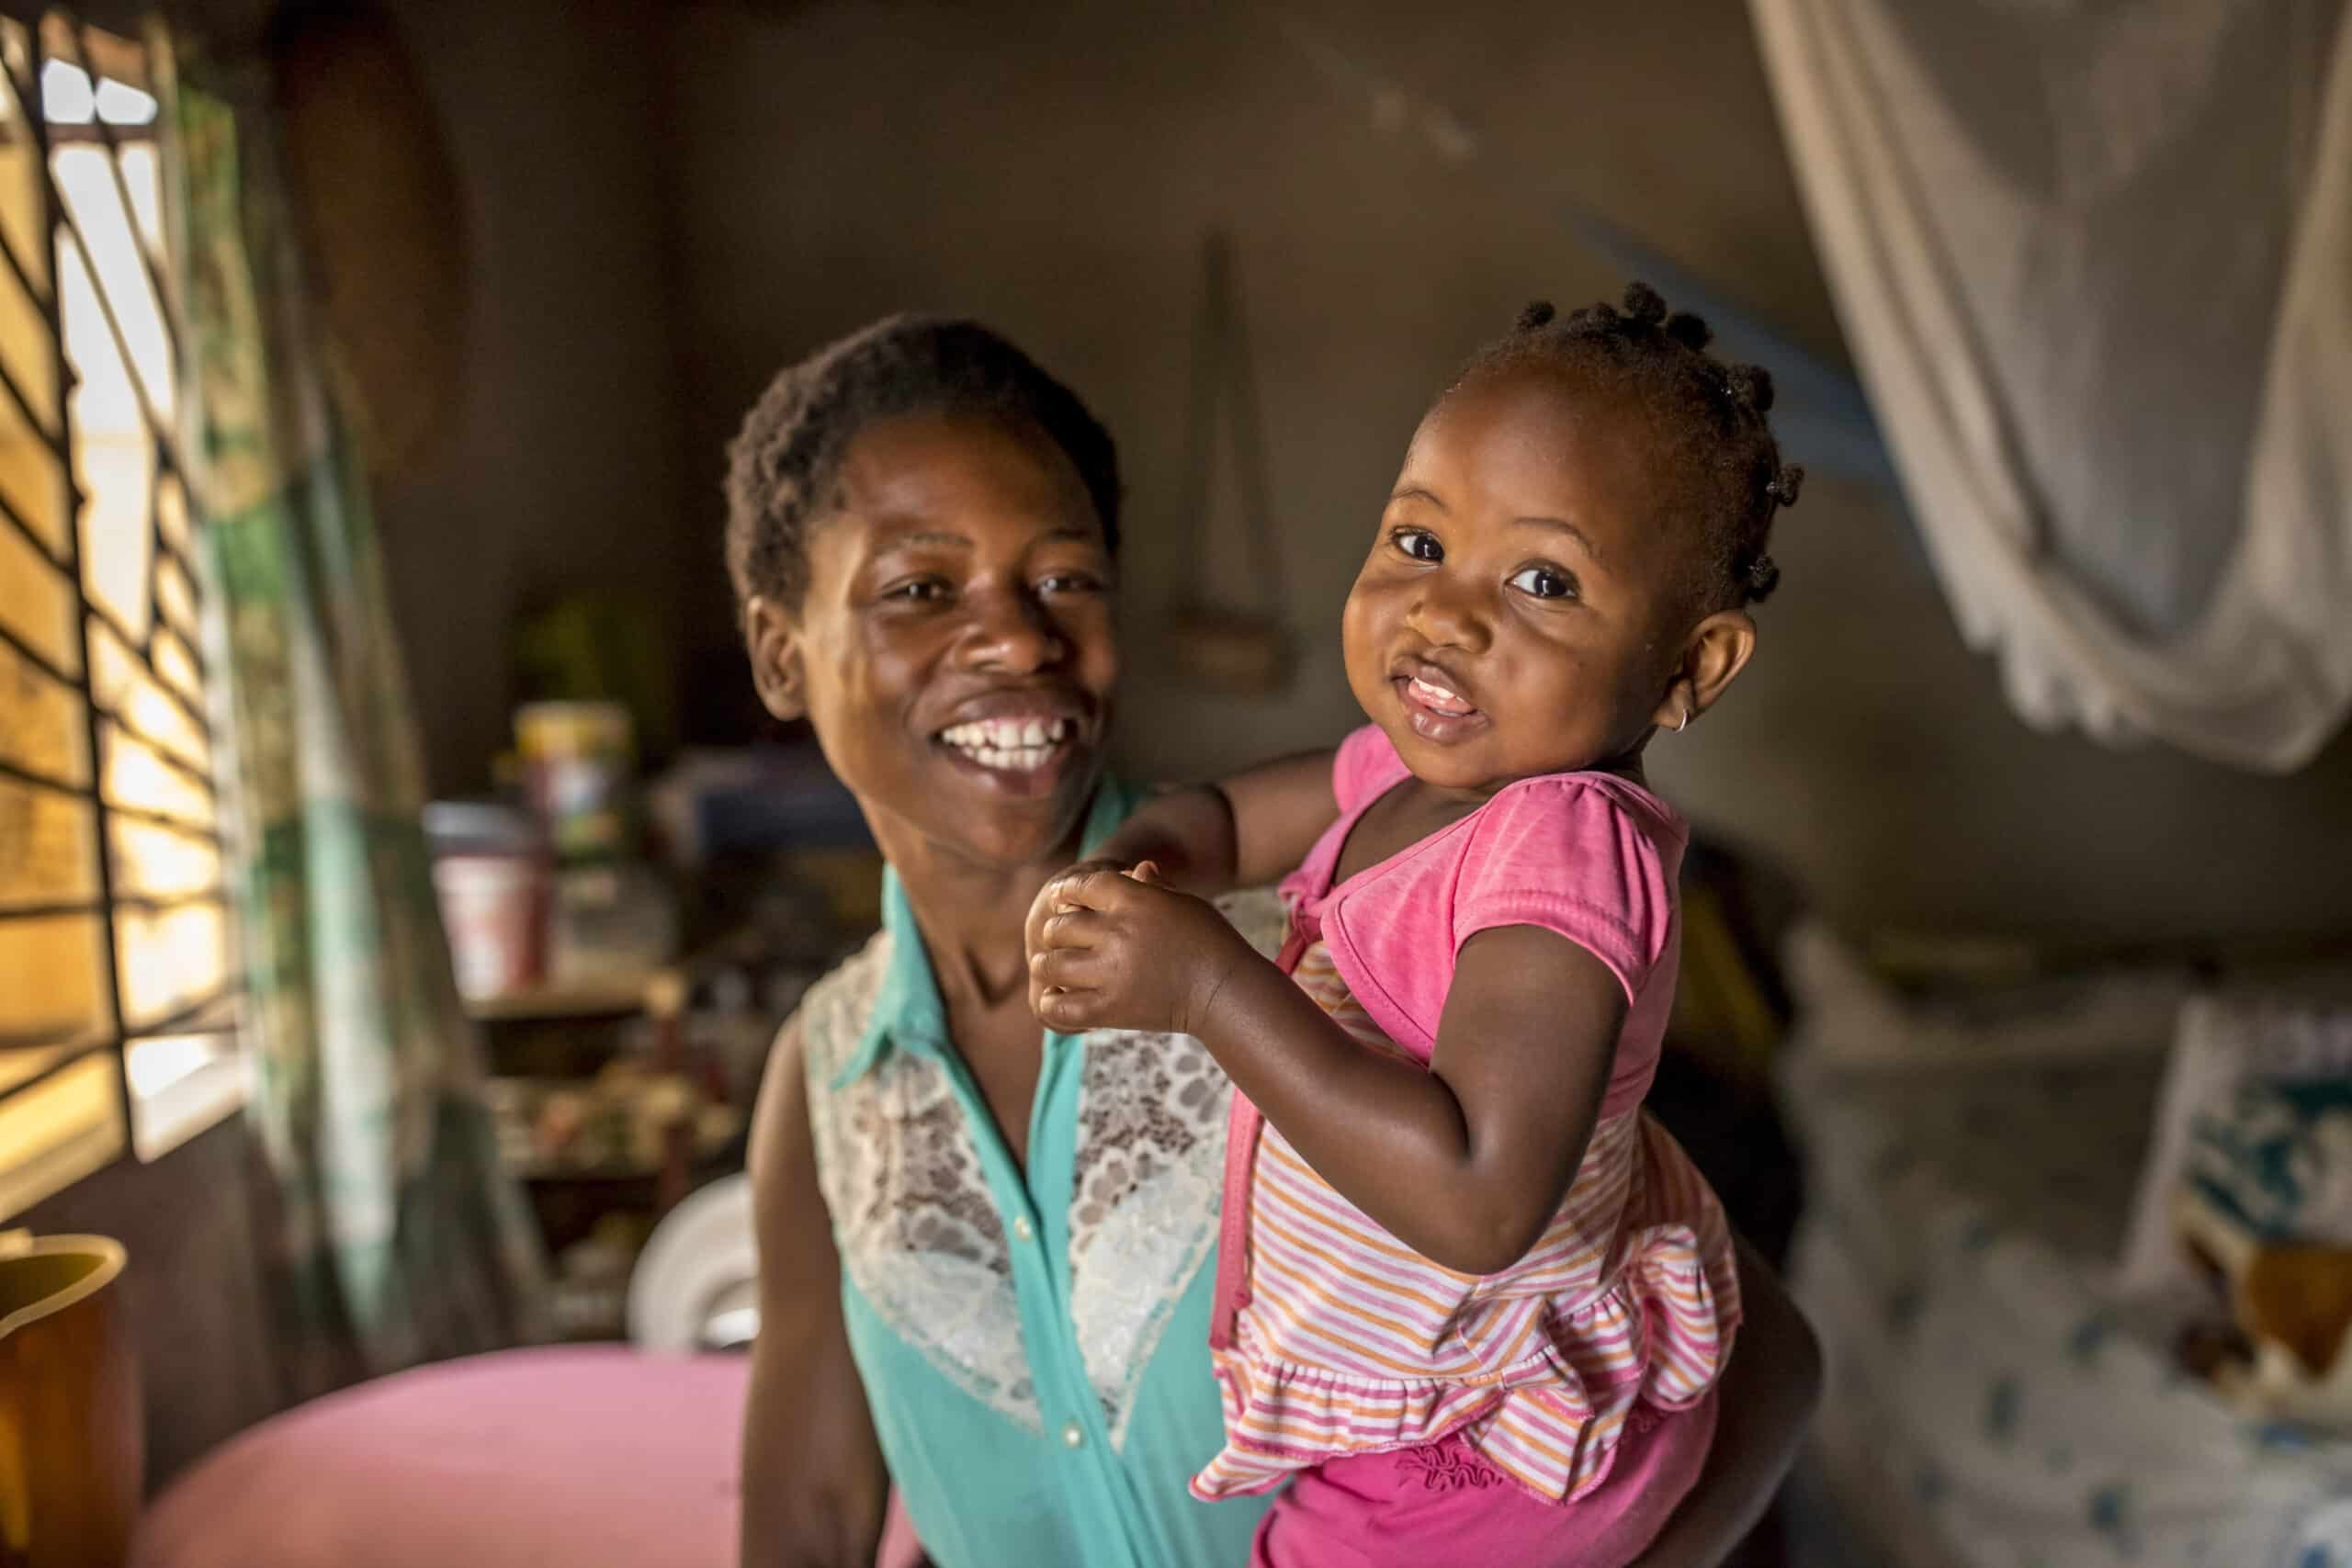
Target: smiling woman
<point>903,542</point>
<point>982,1247</point>
<point>962,573</point>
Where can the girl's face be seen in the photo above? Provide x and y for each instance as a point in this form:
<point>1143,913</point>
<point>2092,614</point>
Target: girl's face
<point>1525,608</point>
<point>954,649</point>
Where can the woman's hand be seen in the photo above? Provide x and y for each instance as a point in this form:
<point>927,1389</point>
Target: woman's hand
<point>1113,949</point>
<point>1764,1401</point>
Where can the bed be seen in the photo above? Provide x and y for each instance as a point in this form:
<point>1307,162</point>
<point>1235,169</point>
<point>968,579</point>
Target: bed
<point>1995,1398</point>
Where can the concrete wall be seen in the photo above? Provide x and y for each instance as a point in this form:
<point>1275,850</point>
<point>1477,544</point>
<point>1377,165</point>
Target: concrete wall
<point>1052,168</point>
<point>561,474</point>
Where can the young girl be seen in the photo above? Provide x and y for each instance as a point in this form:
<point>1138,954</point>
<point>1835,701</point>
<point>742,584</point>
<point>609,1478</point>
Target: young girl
<point>1470,1302</point>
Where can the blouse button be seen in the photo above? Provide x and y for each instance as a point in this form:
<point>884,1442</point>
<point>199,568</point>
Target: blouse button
<point>1025,1230</point>
<point>1074,1436</point>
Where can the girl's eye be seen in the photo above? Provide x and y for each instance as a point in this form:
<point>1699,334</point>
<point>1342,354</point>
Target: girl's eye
<point>916,591</point>
<point>1418,544</point>
<point>1071,582</point>
<point>1542,583</point>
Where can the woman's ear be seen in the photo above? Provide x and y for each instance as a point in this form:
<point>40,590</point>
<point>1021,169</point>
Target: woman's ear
<point>1716,651</point>
<point>773,640</point>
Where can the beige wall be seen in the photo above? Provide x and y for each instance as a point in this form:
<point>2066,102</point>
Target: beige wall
<point>561,471</point>
<point>1051,169</point>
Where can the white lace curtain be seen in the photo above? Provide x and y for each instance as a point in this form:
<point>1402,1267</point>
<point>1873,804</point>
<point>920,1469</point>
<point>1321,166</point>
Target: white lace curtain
<point>2095,261</point>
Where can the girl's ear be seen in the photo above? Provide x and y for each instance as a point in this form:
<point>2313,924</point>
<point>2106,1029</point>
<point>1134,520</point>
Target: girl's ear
<point>1716,651</point>
<point>775,643</point>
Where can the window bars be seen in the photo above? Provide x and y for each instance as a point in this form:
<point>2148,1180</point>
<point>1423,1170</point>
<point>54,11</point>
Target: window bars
<point>118,985</point>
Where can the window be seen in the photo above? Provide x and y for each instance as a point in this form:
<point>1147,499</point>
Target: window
<point>119,1006</point>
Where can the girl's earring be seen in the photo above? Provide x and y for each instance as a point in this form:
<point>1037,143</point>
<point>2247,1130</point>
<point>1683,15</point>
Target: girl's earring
<point>1684,722</point>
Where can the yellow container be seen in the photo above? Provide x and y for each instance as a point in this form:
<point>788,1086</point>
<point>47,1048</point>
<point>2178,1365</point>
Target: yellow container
<point>72,1433</point>
<point>577,756</point>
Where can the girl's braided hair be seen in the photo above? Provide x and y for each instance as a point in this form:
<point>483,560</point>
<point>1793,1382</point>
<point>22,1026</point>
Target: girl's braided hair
<point>1712,413</point>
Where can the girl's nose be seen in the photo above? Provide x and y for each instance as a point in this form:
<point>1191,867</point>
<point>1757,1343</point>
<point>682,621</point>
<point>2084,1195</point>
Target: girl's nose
<point>1448,615</point>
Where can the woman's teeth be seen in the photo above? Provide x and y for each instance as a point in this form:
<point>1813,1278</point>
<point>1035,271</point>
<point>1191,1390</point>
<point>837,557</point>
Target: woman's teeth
<point>1018,744</point>
<point>1439,699</point>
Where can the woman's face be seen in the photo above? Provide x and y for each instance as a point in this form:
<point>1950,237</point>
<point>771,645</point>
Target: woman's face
<point>954,649</point>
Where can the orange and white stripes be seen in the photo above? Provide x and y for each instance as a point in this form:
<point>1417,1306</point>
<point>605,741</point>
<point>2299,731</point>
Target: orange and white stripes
<point>1349,1342</point>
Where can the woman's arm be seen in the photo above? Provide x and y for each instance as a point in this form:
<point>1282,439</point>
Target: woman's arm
<point>813,1481</point>
<point>1765,1396</point>
<point>1465,1162</point>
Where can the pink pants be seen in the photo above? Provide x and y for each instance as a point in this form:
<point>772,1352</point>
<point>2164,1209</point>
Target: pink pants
<point>1441,1503</point>
<point>899,1548</point>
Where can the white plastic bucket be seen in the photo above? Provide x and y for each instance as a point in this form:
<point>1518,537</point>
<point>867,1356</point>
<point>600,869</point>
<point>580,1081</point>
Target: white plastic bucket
<point>494,907</point>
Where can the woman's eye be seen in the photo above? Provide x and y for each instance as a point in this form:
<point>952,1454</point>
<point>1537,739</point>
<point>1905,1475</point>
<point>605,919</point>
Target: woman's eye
<point>1418,544</point>
<point>1542,583</point>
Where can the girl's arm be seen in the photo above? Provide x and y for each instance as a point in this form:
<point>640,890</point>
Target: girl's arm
<point>813,1483</point>
<point>1763,1401</point>
<point>1466,1162</point>
<point>1242,832</point>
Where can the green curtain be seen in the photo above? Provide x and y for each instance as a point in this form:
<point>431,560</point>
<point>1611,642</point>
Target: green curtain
<point>400,1238</point>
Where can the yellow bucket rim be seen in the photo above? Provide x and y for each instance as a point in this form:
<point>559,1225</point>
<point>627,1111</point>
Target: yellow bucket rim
<point>112,1260</point>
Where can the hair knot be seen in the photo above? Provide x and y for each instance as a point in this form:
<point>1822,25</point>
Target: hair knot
<point>1763,576</point>
<point>1538,313</point>
<point>1786,484</point>
<point>1750,385</point>
<point>1644,304</point>
<point>1688,331</point>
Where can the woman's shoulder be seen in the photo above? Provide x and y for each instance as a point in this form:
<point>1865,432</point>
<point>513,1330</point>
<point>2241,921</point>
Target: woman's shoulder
<point>836,1007</point>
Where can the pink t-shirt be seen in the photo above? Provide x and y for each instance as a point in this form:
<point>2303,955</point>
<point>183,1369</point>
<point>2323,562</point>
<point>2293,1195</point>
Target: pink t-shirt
<point>1332,1337</point>
<point>1588,855</point>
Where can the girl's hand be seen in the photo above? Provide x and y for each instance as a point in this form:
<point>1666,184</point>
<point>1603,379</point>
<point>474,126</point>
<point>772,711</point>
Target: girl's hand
<point>1121,950</point>
<point>1049,899</point>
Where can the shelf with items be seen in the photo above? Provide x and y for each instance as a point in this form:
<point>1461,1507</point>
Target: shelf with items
<point>613,997</point>
<point>622,1074</point>
<point>613,1120</point>
<point>631,1120</point>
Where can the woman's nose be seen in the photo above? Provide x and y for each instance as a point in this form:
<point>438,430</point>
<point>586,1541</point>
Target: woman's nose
<point>1012,632</point>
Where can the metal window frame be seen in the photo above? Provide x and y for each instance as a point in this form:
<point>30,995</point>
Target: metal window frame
<point>56,34</point>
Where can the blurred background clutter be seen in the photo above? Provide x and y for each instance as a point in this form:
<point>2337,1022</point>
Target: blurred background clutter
<point>400,884</point>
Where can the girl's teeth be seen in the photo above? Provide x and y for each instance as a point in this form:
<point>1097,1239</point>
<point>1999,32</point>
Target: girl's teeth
<point>1438,697</point>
